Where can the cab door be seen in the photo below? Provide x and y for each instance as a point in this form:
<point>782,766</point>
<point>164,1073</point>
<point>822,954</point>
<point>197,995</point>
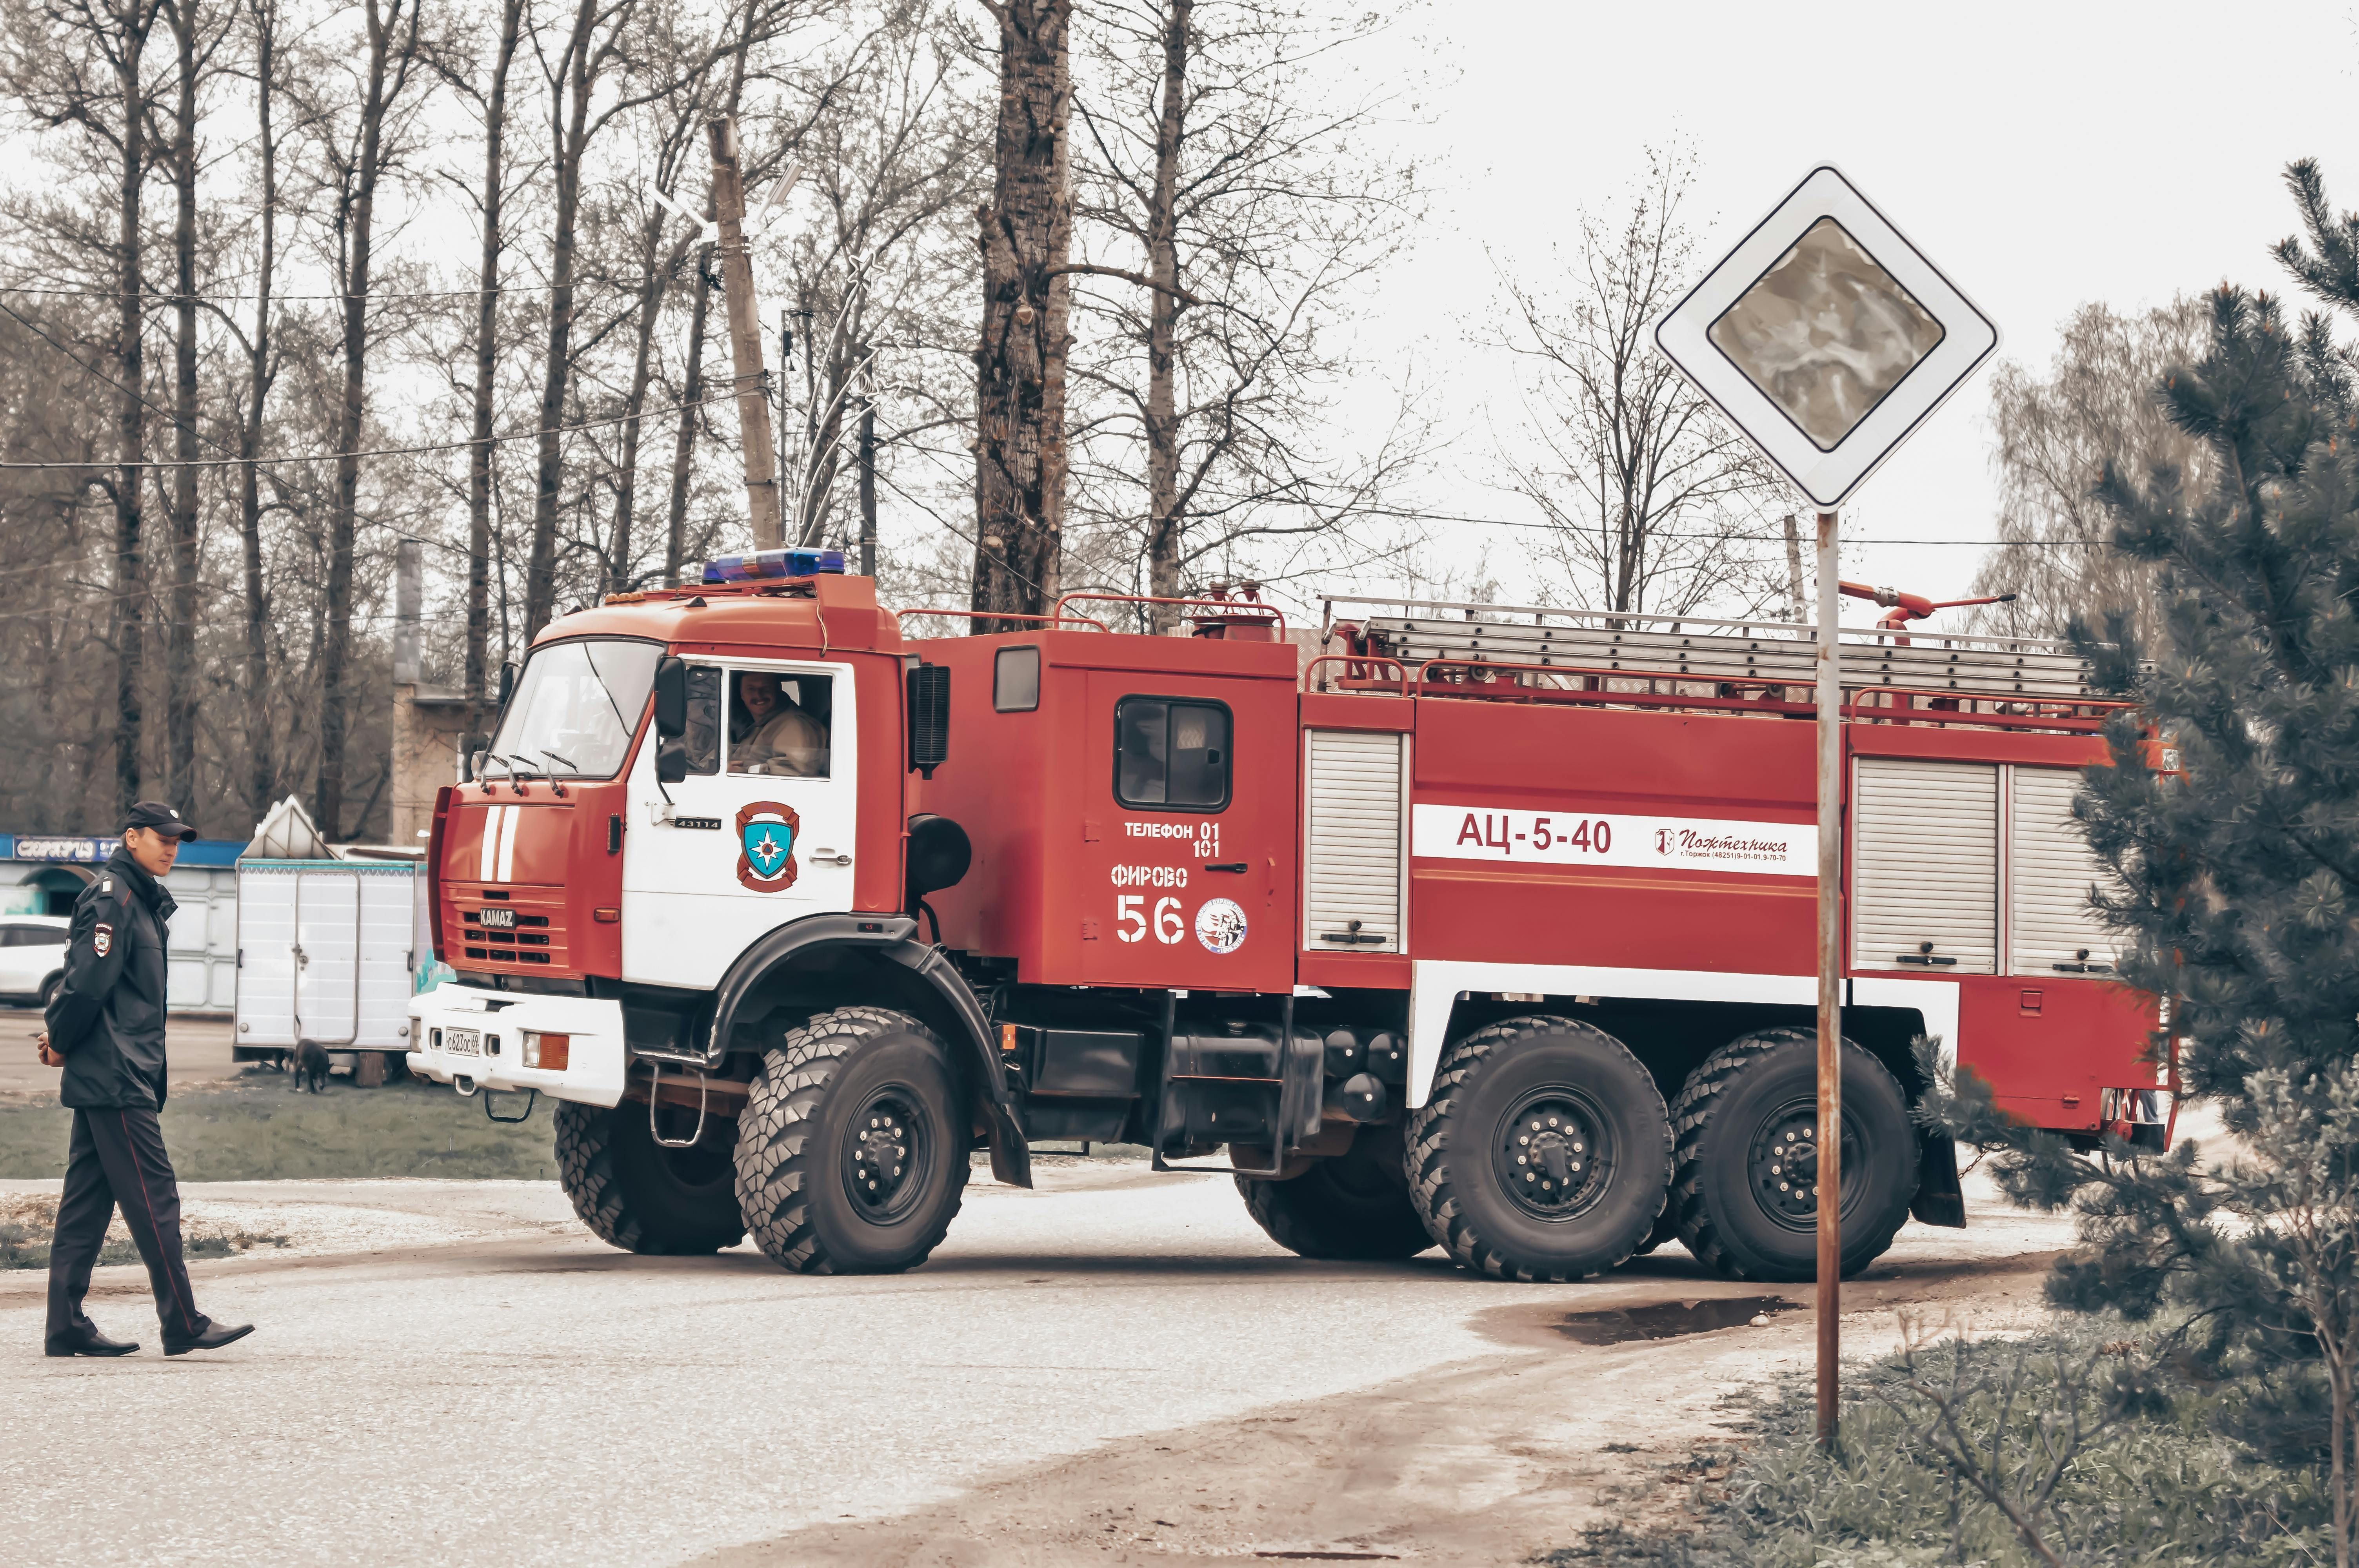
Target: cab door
<point>1189,841</point>
<point>738,849</point>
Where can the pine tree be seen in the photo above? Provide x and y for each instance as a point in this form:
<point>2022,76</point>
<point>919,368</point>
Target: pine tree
<point>2238,877</point>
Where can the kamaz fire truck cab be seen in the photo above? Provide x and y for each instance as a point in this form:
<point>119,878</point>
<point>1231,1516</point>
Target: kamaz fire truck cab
<point>1489,928</point>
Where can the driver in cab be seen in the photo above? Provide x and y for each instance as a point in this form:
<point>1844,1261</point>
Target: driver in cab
<point>776,736</point>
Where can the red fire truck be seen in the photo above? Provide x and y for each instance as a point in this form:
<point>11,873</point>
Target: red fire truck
<point>1479,926</point>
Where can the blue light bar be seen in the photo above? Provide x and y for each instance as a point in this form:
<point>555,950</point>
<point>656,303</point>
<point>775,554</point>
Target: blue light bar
<point>764,564</point>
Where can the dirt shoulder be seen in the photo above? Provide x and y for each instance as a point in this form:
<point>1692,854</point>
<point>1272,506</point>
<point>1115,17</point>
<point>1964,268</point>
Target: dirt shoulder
<point>1487,1460</point>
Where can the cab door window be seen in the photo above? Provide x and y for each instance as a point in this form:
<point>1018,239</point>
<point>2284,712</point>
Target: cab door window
<point>780,724</point>
<point>1171,756</point>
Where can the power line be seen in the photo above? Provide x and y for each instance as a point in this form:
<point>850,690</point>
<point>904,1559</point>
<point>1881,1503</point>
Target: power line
<point>1733,538</point>
<point>372,451</point>
<point>172,296</point>
<point>167,414</point>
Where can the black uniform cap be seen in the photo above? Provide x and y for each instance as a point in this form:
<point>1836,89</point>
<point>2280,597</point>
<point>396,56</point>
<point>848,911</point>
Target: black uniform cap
<point>163,819</point>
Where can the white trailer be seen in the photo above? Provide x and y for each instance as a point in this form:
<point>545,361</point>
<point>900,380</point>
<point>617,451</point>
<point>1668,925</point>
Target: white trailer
<point>326,953</point>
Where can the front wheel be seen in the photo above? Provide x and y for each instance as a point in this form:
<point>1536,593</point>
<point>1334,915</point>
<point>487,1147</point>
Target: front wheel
<point>1544,1153</point>
<point>852,1151</point>
<point>634,1193</point>
<point>1747,1188</point>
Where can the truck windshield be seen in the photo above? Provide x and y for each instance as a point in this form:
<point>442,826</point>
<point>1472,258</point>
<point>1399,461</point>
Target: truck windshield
<point>575,710</point>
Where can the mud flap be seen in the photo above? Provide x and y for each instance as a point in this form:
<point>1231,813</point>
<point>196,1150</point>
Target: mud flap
<point>1940,1199</point>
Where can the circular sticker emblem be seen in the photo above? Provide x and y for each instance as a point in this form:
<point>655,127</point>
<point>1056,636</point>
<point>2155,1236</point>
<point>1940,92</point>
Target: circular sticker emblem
<point>1220,926</point>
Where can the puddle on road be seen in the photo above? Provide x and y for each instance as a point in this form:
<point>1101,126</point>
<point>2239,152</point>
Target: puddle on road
<point>1668,1320</point>
<point>1551,1326</point>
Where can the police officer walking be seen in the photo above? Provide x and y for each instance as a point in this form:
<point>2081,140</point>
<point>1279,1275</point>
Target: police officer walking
<point>106,1028</point>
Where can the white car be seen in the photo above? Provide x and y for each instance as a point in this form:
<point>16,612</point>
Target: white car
<point>32,956</point>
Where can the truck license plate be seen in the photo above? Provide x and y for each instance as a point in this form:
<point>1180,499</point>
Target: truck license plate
<point>462,1042</point>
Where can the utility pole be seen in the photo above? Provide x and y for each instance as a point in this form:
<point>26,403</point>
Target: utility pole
<point>744,338</point>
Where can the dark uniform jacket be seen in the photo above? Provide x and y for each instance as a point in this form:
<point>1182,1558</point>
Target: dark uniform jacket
<point>107,1017</point>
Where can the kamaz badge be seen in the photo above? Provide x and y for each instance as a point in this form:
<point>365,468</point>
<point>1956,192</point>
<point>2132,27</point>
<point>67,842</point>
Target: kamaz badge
<point>765,831</point>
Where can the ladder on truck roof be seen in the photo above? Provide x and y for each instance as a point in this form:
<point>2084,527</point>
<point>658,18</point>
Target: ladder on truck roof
<point>1689,647</point>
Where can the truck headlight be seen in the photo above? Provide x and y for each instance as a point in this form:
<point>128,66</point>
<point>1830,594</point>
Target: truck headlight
<point>547,1051</point>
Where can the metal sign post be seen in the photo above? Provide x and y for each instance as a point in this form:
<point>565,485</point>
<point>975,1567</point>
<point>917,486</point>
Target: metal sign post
<point>1830,1134</point>
<point>1827,339</point>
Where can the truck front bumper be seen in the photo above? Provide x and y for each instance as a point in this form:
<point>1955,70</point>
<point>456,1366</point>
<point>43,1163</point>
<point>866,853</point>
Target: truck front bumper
<point>443,1019</point>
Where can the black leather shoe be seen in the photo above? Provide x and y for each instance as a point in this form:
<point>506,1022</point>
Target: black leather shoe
<point>91,1343</point>
<point>215,1337</point>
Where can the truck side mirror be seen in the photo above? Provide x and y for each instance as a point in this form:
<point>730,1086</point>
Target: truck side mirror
<point>671,762</point>
<point>671,698</point>
<point>471,750</point>
<point>929,717</point>
<point>507,682</point>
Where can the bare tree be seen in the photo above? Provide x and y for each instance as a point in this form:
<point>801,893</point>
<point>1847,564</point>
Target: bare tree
<point>1214,151</point>
<point>1027,239</point>
<point>491,205</point>
<point>2055,435</point>
<point>882,279</point>
<point>196,35</point>
<point>81,64</point>
<point>356,157</point>
<point>1656,506</point>
<point>261,370</point>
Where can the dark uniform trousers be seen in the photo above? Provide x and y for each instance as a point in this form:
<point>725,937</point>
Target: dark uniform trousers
<point>116,1158</point>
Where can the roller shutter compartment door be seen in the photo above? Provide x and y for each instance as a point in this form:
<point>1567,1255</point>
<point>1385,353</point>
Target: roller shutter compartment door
<point>2051,870</point>
<point>1354,838</point>
<point>1925,867</point>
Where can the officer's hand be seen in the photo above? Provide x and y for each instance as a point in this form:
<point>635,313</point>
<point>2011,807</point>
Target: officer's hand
<point>49,1058</point>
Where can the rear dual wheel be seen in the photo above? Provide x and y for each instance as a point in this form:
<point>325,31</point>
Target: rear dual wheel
<point>1543,1153</point>
<point>1745,1192</point>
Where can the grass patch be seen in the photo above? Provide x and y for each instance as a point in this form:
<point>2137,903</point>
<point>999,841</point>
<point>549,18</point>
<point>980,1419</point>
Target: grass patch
<point>257,1130</point>
<point>2103,1480</point>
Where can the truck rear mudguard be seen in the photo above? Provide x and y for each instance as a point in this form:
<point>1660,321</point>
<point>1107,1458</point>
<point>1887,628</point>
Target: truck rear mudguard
<point>909,975</point>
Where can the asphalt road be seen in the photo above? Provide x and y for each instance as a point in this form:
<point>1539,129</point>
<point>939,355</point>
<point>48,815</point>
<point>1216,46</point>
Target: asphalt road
<point>1077,1369</point>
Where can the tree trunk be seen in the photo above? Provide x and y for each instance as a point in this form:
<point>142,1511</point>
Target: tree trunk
<point>336,656</point>
<point>128,619</point>
<point>1163,522</point>
<point>261,778</point>
<point>692,391</point>
<point>683,449</point>
<point>570,121</point>
<point>1027,236</point>
<point>180,658</point>
<point>654,274</point>
<point>488,317</point>
<point>868,487</point>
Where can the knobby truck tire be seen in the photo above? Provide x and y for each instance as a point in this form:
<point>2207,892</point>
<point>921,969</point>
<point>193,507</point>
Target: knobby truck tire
<point>1453,1176</point>
<point>794,1136</point>
<point>1355,1205</point>
<point>637,1196</point>
<point>1734,1096</point>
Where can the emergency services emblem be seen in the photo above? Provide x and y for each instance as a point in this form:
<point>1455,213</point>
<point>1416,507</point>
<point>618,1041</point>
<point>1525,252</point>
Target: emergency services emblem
<point>102,938</point>
<point>766,830</point>
<point>1220,926</point>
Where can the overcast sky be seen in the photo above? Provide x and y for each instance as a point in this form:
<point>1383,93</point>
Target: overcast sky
<point>2041,155</point>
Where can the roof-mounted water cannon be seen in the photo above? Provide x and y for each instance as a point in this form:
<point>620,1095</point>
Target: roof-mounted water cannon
<point>1901,608</point>
<point>764,565</point>
<point>1249,622</point>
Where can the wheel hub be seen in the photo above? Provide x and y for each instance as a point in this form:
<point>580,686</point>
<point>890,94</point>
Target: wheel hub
<point>887,1153</point>
<point>1782,1165</point>
<point>1550,1153</point>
